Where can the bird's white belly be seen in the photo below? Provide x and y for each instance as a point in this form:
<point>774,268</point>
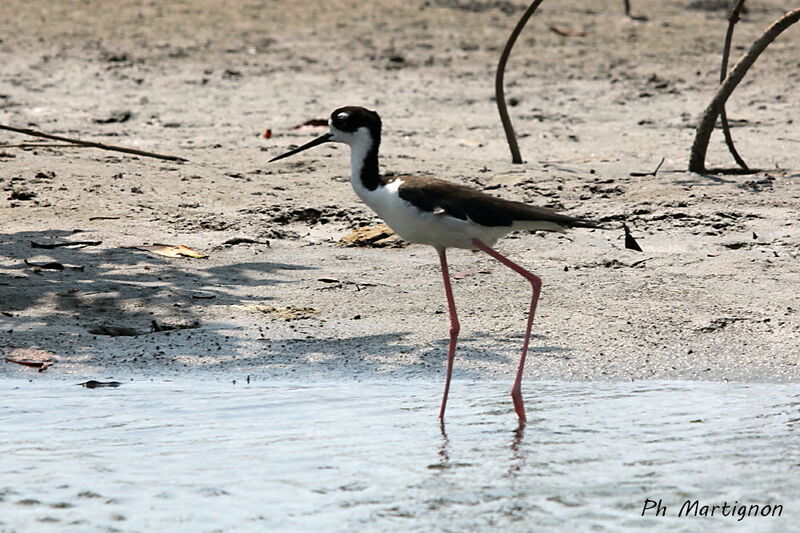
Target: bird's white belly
<point>423,227</point>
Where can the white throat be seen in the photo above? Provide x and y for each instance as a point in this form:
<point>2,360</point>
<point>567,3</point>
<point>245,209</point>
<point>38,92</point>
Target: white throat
<point>359,149</point>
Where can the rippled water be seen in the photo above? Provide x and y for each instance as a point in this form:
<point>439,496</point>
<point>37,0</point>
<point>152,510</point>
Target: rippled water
<point>370,456</point>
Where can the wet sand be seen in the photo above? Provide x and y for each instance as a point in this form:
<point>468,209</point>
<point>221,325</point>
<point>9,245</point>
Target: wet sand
<point>712,297</point>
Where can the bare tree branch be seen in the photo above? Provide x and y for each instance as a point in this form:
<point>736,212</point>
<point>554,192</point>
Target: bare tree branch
<point>697,159</point>
<point>733,18</point>
<point>498,82</point>
<point>92,144</point>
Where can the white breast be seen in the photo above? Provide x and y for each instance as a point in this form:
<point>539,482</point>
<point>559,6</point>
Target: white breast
<point>412,224</point>
<point>423,227</point>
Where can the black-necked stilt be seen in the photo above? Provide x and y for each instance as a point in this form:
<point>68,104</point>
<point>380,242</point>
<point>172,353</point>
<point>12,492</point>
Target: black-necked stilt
<point>441,214</point>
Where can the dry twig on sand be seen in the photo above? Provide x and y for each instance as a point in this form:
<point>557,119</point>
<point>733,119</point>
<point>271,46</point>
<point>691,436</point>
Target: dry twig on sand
<point>499,91</point>
<point>697,160</point>
<point>92,144</point>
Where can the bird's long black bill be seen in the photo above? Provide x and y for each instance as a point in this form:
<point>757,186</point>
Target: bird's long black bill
<point>319,140</point>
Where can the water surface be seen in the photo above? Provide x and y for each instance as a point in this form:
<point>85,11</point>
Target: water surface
<point>200,456</point>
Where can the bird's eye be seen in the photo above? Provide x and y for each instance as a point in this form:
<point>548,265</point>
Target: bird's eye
<point>342,116</point>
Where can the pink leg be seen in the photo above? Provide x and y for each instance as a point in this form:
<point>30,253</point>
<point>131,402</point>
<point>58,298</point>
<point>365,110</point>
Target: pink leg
<point>536,283</point>
<point>454,327</point>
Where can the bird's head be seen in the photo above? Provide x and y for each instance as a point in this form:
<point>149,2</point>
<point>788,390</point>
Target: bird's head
<point>349,125</point>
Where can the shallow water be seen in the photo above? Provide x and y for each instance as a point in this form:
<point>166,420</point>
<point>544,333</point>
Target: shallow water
<point>200,455</point>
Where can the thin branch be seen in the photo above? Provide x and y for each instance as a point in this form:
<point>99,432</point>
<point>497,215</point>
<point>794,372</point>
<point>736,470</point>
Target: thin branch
<point>92,144</point>
<point>628,12</point>
<point>653,173</point>
<point>697,159</point>
<point>40,145</point>
<point>733,18</point>
<point>498,82</point>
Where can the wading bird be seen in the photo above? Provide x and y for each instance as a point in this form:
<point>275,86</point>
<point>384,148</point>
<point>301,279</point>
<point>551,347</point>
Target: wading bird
<point>441,214</point>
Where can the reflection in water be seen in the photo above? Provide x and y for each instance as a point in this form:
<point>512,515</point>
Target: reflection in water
<point>204,456</point>
<point>517,455</point>
<point>444,454</point>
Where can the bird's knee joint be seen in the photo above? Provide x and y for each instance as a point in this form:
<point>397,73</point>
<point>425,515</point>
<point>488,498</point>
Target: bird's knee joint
<point>454,329</point>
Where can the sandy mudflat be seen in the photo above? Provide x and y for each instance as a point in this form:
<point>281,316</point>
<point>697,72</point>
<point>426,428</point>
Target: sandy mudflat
<point>713,295</point>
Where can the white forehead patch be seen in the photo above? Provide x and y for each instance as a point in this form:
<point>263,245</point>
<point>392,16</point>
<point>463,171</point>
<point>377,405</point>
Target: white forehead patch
<point>342,115</point>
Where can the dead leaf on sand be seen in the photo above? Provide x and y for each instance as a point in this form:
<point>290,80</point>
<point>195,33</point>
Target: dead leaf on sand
<point>45,266</point>
<point>172,250</point>
<point>51,246</point>
<point>243,240</point>
<point>470,272</point>
<point>156,327</point>
<point>281,313</point>
<point>312,123</point>
<point>471,143</point>
<point>52,265</point>
<point>92,384</point>
<point>115,331</point>
<point>564,32</point>
<point>379,236</point>
<point>203,296</point>
<point>115,117</point>
<point>41,359</point>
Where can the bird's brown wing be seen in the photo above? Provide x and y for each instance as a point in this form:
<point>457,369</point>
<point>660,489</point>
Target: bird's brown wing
<point>459,201</point>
